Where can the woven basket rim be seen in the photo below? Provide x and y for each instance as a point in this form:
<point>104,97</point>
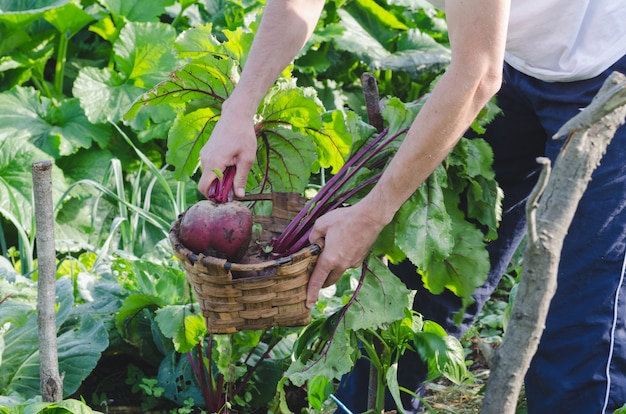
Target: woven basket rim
<point>310,250</point>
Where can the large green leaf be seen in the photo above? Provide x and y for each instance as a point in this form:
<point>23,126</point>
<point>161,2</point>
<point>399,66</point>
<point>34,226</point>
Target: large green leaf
<point>288,167</point>
<point>176,376</point>
<point>470,168</point>
<point>466,267</point>
<point>298,137</point>
<point>201,41</point>
<point>58,130</point>
<point>373,37</point>
<point>334,140</point>
<point>202,83</point>
<point>104,94</point>
<point>484,199</point>
<point>78,351</point>
<point>68,19</point>
<point>357,40</point>
<point>444,353</point>
<point>79,348</point>
<point>137,10</point>
<point>24,12</point>
<point>144,53</point>
<point>143,57</point>
<point>208,80</point>
<point>474,158</point>
<point>336,360</point>
<point>423,228</point>
<point>382,299</point>
<point>416,53</point>
<point>64,406</point>
<point>380,22</point>
<point>16,159</point>
<point>185,328</point>
<point>152,286</point>
<point>186,137</point>
<point>156,279</point>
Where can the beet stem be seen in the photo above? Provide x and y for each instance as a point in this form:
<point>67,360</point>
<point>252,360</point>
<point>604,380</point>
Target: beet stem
<point>323,202</point>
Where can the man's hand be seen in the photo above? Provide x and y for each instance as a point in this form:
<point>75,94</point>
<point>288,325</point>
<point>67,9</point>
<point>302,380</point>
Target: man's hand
<point>348,235</point>
<point>233,142</point>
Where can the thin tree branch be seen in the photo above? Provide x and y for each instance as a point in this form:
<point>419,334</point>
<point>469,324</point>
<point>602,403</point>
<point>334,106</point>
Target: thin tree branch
<point>589,134</point>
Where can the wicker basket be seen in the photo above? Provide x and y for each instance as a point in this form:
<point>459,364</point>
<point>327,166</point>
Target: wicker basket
<point>252,295</point>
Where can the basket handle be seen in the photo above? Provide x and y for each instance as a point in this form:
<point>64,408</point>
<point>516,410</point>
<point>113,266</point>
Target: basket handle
<point>255,197</point>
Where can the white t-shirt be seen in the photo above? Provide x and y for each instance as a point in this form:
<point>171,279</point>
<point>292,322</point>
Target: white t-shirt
<point>564,40</point>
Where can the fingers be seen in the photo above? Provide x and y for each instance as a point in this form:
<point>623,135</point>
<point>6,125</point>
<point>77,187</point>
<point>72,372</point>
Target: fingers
<point>328,269</point>
<point>208,176</point>
<point>241,177</point>
<point>325,272</point>
<point>321,277</point>
<point>222,151</point>
<point>344,247</point>
<point>318,232</point>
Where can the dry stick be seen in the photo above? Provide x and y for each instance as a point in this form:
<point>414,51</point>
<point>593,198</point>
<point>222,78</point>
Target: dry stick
<point>374,118</point>
<point>589,134</point>
<point>372,102</point>
<point>50,381</point>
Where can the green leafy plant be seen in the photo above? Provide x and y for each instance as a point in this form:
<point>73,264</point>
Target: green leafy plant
<point>404,44</point>
<point>43,116</point>
<point>88,85</point>
<point>82,337</point>
<point>451,245</point>
<point>71,406</point>
<point>373,321</point>
<point>293,125</point>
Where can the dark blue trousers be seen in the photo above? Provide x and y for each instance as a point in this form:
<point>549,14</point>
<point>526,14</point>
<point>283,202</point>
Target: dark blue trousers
<point>580,365</point>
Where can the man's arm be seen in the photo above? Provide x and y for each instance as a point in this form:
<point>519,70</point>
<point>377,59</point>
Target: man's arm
<point>285,27</point>
<point>477,30</point>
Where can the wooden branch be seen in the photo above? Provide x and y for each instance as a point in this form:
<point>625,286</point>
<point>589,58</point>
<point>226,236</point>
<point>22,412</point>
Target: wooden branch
<point>372,101</point>
<point>50,380</point>
<point>533,199</point>
<point>589,134</point>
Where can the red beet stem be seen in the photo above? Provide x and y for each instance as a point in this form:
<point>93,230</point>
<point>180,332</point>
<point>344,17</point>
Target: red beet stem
<point>221,189</point>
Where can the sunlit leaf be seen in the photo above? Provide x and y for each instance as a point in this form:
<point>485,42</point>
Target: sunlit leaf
<point>104,94</point>
<point>58,130</point>
<point>186,329</point>
<point>16,159</point>
<point>79,348</point>
<point>143,56</point>
<point>444,353</point>
<point>137,10</point>
<point>467,265</point>
<point>381,300</point>
<point>423,226</point>
<point>68,19</point>
<point>336,361</point>
<point>186,137</point>
<point>198,42</point>
<point>143,53</point>
<point>284,158</point>
<point>207,79</point>
<point>385,43</point>
<point>24,12</point>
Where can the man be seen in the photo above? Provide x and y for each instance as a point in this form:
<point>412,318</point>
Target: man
<point>557,54</point>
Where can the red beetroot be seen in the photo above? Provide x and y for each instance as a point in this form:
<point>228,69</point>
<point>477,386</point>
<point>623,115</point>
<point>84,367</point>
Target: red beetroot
<point>217,229</point>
